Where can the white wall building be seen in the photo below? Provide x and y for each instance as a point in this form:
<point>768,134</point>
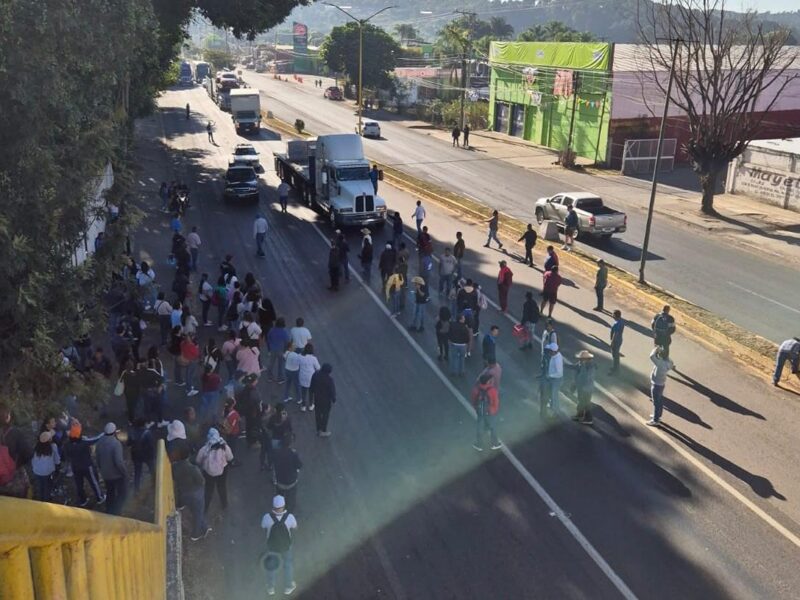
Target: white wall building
<point>768,170</point>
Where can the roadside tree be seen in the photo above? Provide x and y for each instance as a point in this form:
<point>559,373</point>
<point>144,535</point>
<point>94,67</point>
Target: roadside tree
<point>380,51</point>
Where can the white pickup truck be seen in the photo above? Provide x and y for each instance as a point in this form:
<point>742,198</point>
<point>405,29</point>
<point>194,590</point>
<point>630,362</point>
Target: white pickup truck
<point>594,218</point>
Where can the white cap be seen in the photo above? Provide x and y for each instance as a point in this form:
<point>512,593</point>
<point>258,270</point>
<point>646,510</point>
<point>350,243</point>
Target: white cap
<point>278,502</point>
<point>176,431</point>
<point>110,428</point>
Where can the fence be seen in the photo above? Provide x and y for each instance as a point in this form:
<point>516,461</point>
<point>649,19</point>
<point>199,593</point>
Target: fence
<point>64,553</point>
<point>639,156</point>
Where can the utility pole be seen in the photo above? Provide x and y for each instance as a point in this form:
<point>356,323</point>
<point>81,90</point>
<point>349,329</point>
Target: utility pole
<point>661,130</point>
<point>576,84</point>
<point>466,46</point>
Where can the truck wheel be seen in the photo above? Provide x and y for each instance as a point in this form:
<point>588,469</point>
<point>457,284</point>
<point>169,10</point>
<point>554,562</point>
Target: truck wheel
<point>539,216</point>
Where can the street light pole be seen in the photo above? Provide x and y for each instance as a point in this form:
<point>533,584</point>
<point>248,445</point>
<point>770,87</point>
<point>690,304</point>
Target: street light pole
<point>361,23</point>
<point>661,131</point>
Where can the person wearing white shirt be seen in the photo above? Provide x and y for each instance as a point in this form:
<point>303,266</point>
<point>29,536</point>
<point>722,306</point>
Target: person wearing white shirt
<point>283,195</point>
<point>300,334</point>
<point>292,369</point>
<point>308,366</point>
<point>260,228</point>
<point>193,243</point>
<point>279,549</point>
<point>145,278</point>
<point>555,375</point>
<point>419,216</point>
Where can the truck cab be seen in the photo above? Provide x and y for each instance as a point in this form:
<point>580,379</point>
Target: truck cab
<point>343,184</point>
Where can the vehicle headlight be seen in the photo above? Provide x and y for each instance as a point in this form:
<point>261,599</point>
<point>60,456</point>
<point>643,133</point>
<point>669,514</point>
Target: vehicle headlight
<point>381,209</point>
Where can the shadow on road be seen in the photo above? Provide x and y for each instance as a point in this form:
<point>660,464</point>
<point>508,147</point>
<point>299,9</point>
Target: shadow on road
<point>715,397</point>
<point>620,248</point>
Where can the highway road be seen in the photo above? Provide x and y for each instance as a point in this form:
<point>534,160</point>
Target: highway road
<point>753,290</point>
<point>396,504</point>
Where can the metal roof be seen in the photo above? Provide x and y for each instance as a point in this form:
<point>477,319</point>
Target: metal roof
<point>634,58</point>
<point>785,145</point>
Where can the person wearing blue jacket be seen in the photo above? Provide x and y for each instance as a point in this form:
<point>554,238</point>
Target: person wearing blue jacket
<point>78,452</point>
<point>277,340</point>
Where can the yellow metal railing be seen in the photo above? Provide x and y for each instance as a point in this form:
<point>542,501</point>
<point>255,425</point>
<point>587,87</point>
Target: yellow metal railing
<point>57,552</point>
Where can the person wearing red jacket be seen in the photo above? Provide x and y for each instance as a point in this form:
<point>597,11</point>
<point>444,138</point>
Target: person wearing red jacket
<point>552,281</point>
<point>486,401</point>
<point>504,279</point>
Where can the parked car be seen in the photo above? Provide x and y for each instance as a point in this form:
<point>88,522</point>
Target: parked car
<point>594,218</point>
<point>241,183</point>
<point>333,93</point>
<point>246,154</point>
<point>371,129</point>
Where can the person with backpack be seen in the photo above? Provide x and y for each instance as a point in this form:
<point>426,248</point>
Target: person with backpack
<point>504,280</point>
<point>213,459</point>
<point>143,451</point>
<point>663,326</point>
<point>78,452</point>
<point>279,524</point>
<point>421,298</point>
<point>486,402</point>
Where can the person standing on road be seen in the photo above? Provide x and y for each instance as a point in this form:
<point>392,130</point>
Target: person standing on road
<point>193,243</point>
<point>494,224</point>
<point>570,228</point>
<point>421,298</point>
<point>344,255</point>
<point>386,262</point>
<point>530,316</point>
<point>323,396</point>
<point>163,311</point>
<point>504,280</point>
<point>397,229</point>
<point>555,376</point>
<point>279,525</point>
<point>663,326</point>
<point>286,465</point>
<point>466,136</point>
<point>788,350</point>
<point>458,252</point>
<point>489,345</point>
<point>366,255</point>
<point>529,237</point>
<point>374,176</point>
<point>442,329</point>
<point>658,380</point>
<point>78,453</point>
<point>551,260</point>
<point>617,328</point>
<point>334,266</point>
<point>283,195</point>
<point>419,216</point>
<point>163,193</point>
<point>188,111</point>
<point>205,292</point>
<point>260,228</point>
<point>111,464</point>
<point>552,281</point>
<point>455,133</point>
<point>210,132</point>
<point>277,340</point>
<point>189,484</point>
<point>213,459</point>
<point>447,269</point>
<point>584,386</point>
<point>458,339</point>
<point>486,401</point>
<point>308,366</point>
<point>600,283</point>
<point>300,334</point>
<point>291,365</point>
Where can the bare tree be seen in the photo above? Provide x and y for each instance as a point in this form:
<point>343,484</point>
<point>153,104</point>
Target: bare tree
<point>730,71</point>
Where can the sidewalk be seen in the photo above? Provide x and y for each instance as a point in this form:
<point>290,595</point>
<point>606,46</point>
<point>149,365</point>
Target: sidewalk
<point>761,227</point>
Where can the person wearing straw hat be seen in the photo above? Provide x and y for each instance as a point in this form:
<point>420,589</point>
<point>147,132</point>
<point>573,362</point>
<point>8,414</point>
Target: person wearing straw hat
<point>279,524</point>
<point>420,299</point>
<point>583,384</point>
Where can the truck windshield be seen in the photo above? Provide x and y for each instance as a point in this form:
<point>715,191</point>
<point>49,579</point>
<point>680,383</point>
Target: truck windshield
<point>240,175</point>
<point>246,114</point>
<point>358,173</point>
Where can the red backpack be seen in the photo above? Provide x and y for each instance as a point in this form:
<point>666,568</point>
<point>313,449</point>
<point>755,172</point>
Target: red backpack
<point>8,467</point>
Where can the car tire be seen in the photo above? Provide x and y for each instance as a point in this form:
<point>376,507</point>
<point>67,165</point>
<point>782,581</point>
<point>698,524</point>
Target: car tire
<point>539,216</point>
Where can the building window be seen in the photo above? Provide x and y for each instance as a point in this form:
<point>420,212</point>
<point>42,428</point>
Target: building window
<point>501,114</point>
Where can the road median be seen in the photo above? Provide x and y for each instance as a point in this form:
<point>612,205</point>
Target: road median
<point>749,349</point>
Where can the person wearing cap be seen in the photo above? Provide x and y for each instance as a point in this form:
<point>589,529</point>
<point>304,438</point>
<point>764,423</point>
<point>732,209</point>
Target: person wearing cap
<point>600,283</point>
<point>555,376</point>
<point>529,237</point>
<point>493,227</point>
<point>551,282</point>
<point>583,384</point>
<point>387,262</point>
<point>617,328</point>
<point>504,279</point>
<point>486,402</point>
<point>789,350</point>
<point>420,299</point>
<point>44,464</point>
<point>78,452</point>
<point>260,228</point>
<point>365,255</point>
<point>111,463</point>
<point>658,381</point>
<point>279,525</point>
<point>213,459</point>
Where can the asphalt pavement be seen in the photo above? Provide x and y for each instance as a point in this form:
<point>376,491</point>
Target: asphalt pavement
<point>752,289</point>
<point>396,504</point>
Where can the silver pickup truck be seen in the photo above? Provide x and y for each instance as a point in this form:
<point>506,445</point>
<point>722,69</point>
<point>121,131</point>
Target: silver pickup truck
<point>594,218</point>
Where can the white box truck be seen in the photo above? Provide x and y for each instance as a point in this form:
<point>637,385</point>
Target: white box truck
<point>246,110</point>
<point>332,174</point>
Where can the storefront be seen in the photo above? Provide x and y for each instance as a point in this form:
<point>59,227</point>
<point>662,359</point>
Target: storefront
<point>552,93</point>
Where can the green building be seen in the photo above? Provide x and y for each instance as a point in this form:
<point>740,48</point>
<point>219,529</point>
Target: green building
<point>539,91</point>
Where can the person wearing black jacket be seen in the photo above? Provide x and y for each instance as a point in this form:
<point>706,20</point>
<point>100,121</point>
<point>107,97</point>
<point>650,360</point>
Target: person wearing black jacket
<point>530,316</point>
<point>344,252</point>
<point>334,266</point>
<point>78,452</point>
<point>397,229</point>
<point>143,450</point>
<point>266,315</point>
<point>386,262</point>
<point>529,237</point>
<point>323,394</point>
<point>249,403</point>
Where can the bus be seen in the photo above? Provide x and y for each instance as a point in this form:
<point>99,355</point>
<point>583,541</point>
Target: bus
<point>185,74</point>
<point>201,71</point>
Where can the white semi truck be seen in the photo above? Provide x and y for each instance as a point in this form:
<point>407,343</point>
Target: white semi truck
<point>246,110</point>
<point>332,174</point>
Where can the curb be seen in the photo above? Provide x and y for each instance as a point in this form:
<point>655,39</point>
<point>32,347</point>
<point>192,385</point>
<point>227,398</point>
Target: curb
<point>714,332</point>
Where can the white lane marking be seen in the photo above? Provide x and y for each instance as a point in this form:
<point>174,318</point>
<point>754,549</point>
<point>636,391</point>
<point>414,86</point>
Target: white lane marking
<point>675,445</point>
<point>744,289</point>
<point>556,510</point>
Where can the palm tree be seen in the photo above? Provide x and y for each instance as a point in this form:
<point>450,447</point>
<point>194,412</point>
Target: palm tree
<point>500,29</point>
<point>406,32</point>
<point>554,31</point>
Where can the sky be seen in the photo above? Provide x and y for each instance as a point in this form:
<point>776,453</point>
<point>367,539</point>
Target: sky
<point>765,5</point>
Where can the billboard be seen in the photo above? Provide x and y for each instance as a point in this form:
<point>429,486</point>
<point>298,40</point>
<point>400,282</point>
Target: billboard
<point>300,47</point>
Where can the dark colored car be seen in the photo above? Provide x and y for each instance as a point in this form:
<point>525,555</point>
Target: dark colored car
<point>241,184</point>
<point>333,93</point>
